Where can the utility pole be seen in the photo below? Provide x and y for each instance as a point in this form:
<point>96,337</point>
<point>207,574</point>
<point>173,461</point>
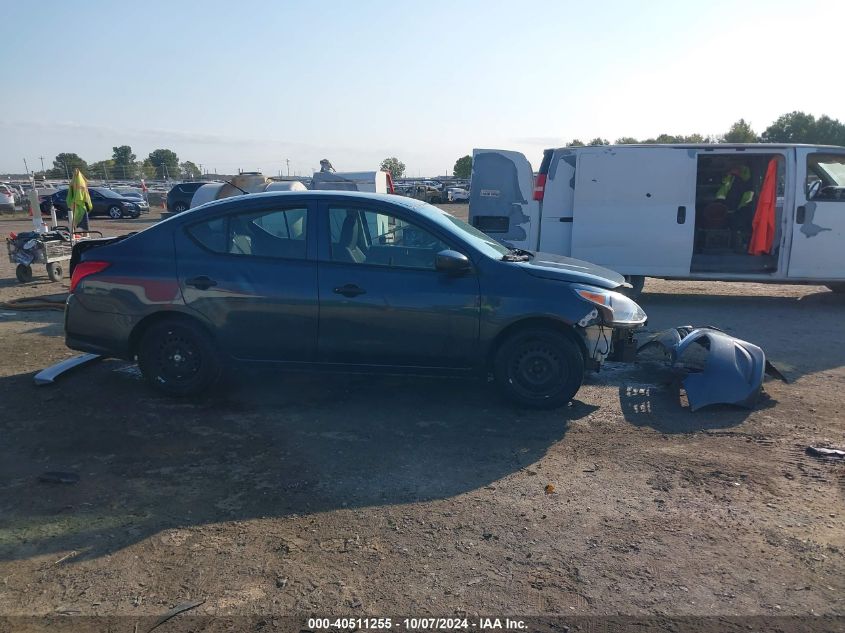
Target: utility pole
<point>287,160</point>
<point>26,167</point>
<point>42,164</point>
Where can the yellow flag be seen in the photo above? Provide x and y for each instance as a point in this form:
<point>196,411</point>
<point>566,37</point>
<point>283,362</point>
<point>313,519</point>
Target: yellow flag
<point>78,199</point>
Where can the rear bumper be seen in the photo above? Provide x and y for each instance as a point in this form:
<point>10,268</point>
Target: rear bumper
<point>103,333</point>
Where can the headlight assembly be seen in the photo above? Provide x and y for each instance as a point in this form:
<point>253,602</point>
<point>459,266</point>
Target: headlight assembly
<point>617,309</point>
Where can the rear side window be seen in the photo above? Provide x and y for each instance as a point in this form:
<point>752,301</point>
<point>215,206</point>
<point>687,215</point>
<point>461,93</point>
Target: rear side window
<point>211,234</point>
<point>277,233</point>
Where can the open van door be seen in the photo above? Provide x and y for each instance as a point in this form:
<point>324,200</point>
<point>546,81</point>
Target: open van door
<point>818,227</point>
<point>500,201</point>
<point>634,209</point>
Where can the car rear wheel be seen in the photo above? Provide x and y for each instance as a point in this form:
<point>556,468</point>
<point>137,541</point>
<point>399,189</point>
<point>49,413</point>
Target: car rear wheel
<point>179,207</point>
<point>178,358</point>
<point>539,368</point>
<point>115,212</point>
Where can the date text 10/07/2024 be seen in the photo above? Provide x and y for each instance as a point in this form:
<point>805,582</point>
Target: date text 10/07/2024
<point>417,624</point>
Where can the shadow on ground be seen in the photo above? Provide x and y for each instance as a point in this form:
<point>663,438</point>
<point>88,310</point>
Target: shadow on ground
<point>266,446</point>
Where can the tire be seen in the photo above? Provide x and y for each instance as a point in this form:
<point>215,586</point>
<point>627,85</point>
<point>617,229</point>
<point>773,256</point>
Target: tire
<point>54,271</point>
<point>179,207</point>
<point>539,368</point>
<point>115,212</point>
<point>23,273</point>
<point>837,288</point>
<point>637,281</point>
<point>178,358</point>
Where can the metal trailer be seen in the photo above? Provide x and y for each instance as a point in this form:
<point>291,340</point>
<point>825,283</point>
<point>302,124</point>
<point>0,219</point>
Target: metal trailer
<point>51,249</point>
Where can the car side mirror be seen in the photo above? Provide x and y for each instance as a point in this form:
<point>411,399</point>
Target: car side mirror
<point>452,262</point>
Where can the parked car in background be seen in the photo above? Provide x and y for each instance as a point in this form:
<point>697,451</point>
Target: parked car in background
<point>136,196</point>
<point>341,281</point>
<point>104,202</point>
<point>457,194</point>
<point>7,199</point>
<point>179,197</point>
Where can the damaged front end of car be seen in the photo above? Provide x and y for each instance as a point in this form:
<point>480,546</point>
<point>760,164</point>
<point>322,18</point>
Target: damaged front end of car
<point>717,368</point>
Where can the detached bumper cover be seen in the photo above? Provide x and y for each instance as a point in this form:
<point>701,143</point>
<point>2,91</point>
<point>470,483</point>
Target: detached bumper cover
<point>719,368</point>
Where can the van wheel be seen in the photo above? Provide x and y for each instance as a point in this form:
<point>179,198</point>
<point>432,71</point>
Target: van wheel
<point>637,281</point>
<point>178,358</point>
<point>539,368</point>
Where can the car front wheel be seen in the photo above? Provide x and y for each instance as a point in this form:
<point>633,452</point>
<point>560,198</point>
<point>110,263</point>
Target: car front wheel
<point>539,368</point>
<point>178,358</point>
<point>115,213</point>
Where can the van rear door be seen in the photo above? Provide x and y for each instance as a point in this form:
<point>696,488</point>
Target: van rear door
<point>500,200</point>
<point>634,209</point>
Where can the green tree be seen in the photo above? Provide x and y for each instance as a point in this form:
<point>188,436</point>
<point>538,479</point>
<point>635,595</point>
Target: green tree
<point>148,169</point>
<point>575,143</point>
<point>394,166</point>
<point>799,127</point>
<point>626,140</point>
<point>741,132</point>
<point>190,170</point>
<point>124,161</point>
<point>65,163</point>
<point>599,141</point>
<point>102,169</point>
<point>166,163</point>
<point>463,167</point>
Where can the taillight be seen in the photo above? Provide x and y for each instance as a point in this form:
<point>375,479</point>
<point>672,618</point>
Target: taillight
<point>85,269</point>
<point>540,187</point>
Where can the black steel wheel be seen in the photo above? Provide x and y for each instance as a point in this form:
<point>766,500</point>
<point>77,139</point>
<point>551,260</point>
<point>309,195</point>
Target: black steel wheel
<point>178,358</point>
<point>54,271</point>
<point>539,368</point>
<point>23,273</point>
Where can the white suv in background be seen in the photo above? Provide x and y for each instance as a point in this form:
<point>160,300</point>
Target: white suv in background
<point>7,199</point>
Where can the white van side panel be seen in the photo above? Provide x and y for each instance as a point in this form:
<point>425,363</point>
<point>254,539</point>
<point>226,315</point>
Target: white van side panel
<point>634,209</point>
<point>501,197</point>
<point>557,206</point>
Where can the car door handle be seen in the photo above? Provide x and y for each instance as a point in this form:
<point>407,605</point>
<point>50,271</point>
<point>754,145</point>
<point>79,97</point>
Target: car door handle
<point>682,215</point>
<point>349,290</point>
<point>201,283</point>
<point>800,214</point>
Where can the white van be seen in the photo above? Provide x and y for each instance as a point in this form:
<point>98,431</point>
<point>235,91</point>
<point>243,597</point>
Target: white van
<point>673,211</point>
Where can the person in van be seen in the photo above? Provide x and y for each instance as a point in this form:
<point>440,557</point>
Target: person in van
<point>737,194</point>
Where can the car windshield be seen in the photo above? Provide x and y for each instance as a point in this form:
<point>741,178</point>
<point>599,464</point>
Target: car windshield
<point>106,193</point>
<point>483,242</point>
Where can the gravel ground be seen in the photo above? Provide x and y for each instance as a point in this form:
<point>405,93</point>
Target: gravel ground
<point>301,494</point>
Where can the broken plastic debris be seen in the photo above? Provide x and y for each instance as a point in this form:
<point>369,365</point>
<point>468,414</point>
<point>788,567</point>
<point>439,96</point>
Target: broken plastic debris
<point>820,451</point>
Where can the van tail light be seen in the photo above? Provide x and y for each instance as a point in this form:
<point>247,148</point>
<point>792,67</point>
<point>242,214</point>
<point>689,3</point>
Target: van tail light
<point>540,187</point>
<point>390,187</point>
<point>86,269</point>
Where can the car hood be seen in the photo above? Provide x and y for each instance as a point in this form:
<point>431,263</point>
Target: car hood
<point>559,268</point>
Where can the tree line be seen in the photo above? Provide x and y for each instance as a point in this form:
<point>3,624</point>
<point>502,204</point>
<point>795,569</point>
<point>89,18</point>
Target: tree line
<point>160,164</point>
<point>794,127</point>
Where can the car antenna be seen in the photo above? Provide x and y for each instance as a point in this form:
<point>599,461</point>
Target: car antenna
<point>229,182</point>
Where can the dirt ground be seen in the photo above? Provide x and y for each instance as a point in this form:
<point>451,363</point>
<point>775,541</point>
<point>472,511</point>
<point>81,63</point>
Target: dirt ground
<point>301,494</point>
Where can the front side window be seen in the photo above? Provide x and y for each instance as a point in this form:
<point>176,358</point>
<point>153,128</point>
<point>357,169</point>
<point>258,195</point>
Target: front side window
<point>362,236</point>
<point>278,233</point>
<point>826,177</point>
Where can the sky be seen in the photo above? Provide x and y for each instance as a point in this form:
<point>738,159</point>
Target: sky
<point>248,85</point>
